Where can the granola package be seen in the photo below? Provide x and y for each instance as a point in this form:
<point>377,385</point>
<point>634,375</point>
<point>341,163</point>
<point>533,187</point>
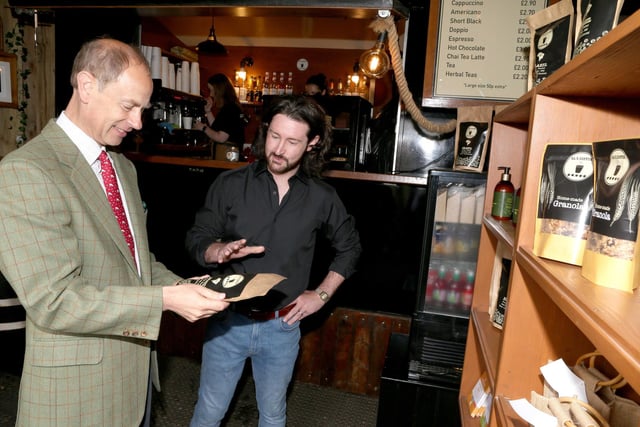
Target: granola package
<point>611,255</point>
<point>551,40</point>
<point>565,202</point>
<point>472,137</point>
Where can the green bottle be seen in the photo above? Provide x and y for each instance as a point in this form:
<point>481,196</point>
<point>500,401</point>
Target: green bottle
<point>502,208</point>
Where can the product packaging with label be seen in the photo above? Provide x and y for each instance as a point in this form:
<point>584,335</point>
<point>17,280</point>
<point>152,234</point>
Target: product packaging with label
<point>611,254</point>
<point>565,202</point>
<point>595,18</point>
<point>551,42</point>
<point>472,137</point>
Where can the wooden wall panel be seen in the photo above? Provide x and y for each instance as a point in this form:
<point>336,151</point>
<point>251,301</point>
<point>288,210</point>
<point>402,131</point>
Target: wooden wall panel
<point>40,62</point>
<point>347,350</point>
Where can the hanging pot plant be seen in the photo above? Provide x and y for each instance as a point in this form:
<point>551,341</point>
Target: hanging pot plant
<point>14,41</point>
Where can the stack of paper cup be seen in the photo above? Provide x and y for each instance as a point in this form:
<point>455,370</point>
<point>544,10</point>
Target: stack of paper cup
<point>156,63</point>
<point>165,71</point>
<point>172,76</point>
<point>186,77</point>
<point>195,79</point>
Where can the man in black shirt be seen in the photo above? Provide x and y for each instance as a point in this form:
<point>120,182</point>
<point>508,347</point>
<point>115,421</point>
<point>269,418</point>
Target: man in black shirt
<point>264,218</point>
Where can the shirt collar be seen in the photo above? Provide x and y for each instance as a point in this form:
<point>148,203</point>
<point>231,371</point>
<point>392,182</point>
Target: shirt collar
<point>261,167</point>
<point>88,147</point>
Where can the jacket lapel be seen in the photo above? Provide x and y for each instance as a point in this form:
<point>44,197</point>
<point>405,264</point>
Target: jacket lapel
<point>89,188</point>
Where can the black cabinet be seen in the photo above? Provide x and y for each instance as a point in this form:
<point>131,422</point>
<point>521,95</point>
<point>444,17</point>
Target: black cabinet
<point>172,195</point>
<point>405,402</point>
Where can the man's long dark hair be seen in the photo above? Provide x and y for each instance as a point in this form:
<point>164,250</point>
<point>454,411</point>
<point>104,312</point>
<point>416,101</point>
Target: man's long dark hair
<point>305,110</point>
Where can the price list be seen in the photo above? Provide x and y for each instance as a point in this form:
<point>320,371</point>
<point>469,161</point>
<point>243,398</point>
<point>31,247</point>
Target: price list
<point>483,48</point>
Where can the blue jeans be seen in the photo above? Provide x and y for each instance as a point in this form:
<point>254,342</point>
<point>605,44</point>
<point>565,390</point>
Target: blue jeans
<point>231,338</point>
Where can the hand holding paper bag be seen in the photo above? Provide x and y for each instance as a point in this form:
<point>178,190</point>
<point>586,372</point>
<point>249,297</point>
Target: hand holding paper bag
<point>238,287</point>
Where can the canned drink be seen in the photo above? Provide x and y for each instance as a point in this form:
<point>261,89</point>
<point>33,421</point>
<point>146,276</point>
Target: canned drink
<point>233,154</point>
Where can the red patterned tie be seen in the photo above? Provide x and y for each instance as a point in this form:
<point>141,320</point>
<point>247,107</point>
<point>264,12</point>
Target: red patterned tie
<point>113,194</point>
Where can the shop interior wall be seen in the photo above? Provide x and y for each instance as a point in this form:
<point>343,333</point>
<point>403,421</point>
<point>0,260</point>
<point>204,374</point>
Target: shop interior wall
<point>333,63</point>
<point>40,64</point>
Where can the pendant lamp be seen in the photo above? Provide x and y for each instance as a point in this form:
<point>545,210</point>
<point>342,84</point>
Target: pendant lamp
<point>375,61</point>
<point>211,46</point>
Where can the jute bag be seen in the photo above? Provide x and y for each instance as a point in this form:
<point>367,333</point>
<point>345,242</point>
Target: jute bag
<point>569,411</point>
<point>601,393</point>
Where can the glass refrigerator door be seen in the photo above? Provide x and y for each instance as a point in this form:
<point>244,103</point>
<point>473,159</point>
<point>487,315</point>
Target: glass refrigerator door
<point>452,234</point>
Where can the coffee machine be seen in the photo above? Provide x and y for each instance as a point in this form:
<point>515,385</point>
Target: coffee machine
<point>168,124</point>
<point>351,146</point>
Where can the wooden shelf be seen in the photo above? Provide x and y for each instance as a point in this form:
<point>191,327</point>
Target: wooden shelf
<point>552,311</point>
<point>518,112</point>
<point>503,411</point>
<point>489,337</point>
<point>465,416</point>
<point>503,230</point>
<point>595,73</point>
<point>610,318</point>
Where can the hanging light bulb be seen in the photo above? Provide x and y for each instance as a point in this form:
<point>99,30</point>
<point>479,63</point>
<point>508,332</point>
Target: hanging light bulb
<point>211,46</point>
<point>375,61</point>
<point>241,74</point>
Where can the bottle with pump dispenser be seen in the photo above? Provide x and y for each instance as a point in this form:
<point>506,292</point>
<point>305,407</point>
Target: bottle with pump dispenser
<point>502,207</point>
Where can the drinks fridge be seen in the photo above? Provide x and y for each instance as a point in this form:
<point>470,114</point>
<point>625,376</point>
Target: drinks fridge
<point>450,248</point>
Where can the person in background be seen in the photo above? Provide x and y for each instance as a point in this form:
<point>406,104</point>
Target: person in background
<point>93,292</point>
<point>316,87</point>
<point>265,217</point>
<point>228,123</point>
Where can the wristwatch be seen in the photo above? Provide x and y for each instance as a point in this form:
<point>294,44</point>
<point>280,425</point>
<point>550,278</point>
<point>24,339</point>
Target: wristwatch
<point>323,295</point>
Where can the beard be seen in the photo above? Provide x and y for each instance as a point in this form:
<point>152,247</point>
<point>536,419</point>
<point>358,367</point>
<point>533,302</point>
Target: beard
<point>280,165</point>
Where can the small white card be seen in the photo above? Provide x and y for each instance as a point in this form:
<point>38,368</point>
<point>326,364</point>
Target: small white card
<point>533,415</point>
<point>563,380</point>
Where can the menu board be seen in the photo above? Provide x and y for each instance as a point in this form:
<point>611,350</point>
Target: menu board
<point>482,50</point>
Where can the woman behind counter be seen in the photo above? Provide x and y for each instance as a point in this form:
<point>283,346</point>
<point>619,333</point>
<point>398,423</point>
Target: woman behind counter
<point>228,124</point>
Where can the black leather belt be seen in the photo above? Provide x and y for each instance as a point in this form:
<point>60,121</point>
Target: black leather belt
<point>263,315</point>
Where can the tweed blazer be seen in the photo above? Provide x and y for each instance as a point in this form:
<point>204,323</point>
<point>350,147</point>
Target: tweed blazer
<point>90,315</point>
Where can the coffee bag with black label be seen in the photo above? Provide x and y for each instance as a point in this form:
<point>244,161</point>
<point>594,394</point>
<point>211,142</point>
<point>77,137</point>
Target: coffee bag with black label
<point>551,40</point>
<point>565,201</point>
<point>611,254</point>
<point>595,18</point>
<point>472,137</point>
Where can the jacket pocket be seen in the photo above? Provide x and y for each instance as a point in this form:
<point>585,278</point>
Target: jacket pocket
<point>67,352</point>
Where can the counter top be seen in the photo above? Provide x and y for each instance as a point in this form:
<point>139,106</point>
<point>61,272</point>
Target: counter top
<point>221,164</point>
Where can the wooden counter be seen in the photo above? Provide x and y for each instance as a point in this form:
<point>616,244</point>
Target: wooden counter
<point>221,164</point>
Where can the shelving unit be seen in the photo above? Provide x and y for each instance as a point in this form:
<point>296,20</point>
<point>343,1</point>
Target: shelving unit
<point>553,312</point>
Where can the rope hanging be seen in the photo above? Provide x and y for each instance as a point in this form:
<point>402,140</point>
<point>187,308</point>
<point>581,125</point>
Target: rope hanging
<point>387,24</point>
